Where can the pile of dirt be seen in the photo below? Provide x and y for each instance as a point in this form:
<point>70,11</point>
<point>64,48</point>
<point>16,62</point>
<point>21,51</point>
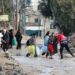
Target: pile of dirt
<point>9,66</point>
<point>72,40</point>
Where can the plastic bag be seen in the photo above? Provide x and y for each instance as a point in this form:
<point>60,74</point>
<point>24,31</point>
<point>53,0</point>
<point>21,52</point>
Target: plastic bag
<point>38,51</point>
<point>44,49</point>
<point>14,42</point>
<point>58,46</point>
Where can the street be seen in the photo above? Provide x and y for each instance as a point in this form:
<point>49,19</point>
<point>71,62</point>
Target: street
<point>43,66</point>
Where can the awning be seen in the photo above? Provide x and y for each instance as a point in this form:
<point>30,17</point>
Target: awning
<point>34,27</point>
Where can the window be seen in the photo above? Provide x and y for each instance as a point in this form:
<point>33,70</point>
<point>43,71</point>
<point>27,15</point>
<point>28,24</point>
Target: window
<point>52,26</point>
<point>36,20</point>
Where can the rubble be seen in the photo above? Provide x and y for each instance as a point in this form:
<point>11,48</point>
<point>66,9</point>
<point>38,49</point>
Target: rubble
<point>9,66</point>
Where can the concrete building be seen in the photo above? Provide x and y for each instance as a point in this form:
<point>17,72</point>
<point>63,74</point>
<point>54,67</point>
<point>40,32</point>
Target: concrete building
<point>43,25</point>
<point>31,21</point>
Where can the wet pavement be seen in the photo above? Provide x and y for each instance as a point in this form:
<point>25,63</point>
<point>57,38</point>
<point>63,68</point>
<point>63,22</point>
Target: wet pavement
<point>41,65</point>
<point>44,66</point>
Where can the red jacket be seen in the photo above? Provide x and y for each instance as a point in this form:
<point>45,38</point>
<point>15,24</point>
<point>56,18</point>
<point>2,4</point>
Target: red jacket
<point>50,48</point>
<point>60,37</point>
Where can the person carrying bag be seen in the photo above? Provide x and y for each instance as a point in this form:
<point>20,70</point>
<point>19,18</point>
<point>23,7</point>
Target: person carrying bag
<point>31,47</point>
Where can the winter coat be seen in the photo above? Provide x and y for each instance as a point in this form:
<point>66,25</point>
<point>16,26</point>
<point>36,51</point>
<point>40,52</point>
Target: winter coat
<point>18,36</point>
<point>46,40</point>
<point>61,39</point>
<point>6,37</point>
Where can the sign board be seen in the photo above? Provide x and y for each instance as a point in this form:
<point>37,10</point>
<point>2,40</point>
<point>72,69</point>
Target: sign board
<point>4,18</point>
<point>34,27</point>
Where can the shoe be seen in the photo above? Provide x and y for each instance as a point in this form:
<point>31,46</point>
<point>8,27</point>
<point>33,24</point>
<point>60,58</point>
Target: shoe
<point>28,54</point>
<point>61,58</point>
<point>35,56</point>
<point>43,53</point>
<point>50,57</point>
<point>73,56</point>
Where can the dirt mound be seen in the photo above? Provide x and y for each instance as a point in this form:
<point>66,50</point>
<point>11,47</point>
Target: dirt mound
<point>9,66</point>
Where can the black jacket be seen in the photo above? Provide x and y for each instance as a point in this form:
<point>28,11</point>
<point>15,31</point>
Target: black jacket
<point>18,36</point>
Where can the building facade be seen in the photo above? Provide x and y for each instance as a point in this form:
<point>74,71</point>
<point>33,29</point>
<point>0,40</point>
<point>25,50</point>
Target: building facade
<point>30,21</point>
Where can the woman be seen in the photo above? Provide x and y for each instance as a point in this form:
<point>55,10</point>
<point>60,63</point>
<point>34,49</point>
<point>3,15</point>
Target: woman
<point>44,47</point>
<point>46,39</point>
<point>18,38</point>
<point>10,37</point>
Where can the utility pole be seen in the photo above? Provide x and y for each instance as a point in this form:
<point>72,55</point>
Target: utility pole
<point>16,25</point>
<point>2,7</point>
<point>3,23</point>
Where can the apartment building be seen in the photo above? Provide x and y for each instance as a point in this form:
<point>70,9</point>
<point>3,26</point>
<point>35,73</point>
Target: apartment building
<point>31,21</point>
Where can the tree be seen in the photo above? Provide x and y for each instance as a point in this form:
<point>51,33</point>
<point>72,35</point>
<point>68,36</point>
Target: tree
<point>63,12</point>
<point>6,8</point>
<point>45,10</point>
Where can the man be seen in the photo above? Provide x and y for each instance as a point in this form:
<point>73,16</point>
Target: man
<point>62,42</point>
<point>10,37</point>
<point>18,38</point>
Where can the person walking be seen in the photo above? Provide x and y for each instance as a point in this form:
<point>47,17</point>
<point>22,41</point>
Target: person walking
<point>18,39</point>
<point>5,40</point>
<point>46,39</point>
<point>31,46</point>
<point>10,37</point>
<point>45,48</point>
<point>62,42</point>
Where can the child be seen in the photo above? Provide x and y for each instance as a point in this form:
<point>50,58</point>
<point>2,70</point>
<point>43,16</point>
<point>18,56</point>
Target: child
<point>31,47</point>
<point>50,46</point>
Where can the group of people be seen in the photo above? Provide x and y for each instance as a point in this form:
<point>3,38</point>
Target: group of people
<point>60,43</point>
<point>54,43</point>
<point>7,37</point>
